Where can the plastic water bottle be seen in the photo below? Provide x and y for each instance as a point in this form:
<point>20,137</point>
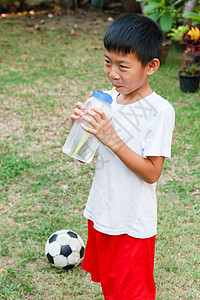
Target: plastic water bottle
<point>80,144</point>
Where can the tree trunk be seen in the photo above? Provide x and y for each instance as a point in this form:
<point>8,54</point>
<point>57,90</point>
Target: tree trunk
<point>189,7</point>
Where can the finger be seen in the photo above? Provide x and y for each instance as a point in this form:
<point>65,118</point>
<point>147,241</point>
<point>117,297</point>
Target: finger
<point>100,112</point>
<point>93,114</point>
<point>78,112</point>
<point>80,105</point>
<point>87,129</point>
<point>90,94</point>
<point>74,117</point>
<point>89,120</point>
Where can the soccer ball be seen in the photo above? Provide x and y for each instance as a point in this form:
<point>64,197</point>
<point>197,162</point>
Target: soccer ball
<point>64,249</point>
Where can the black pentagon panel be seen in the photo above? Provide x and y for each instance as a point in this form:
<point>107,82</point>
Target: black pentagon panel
<point>72,234</point>
<point>69,267</point>
<point>53,238</point>
<point>82,252</point>
<point>65,250</point>
<point>50,258</point>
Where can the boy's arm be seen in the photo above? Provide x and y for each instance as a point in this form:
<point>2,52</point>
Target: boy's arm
<point>149,168</point>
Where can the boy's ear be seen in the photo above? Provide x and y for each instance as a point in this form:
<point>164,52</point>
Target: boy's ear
<point>153,66</point>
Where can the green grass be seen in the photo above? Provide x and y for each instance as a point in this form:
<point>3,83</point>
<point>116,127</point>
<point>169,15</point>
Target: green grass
<point>43,74</point>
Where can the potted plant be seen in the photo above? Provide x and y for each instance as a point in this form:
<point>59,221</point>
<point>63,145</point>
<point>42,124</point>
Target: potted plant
<point>189,76</point>
<point>177,35</point>
<point>168,14</point>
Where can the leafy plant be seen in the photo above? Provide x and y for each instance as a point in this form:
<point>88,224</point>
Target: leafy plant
<point>177,34</point>
<point>194,16</point>
<point>166,12</point>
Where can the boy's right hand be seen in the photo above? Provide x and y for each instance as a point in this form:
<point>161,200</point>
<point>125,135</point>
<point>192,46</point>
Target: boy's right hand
<point>79,110</point>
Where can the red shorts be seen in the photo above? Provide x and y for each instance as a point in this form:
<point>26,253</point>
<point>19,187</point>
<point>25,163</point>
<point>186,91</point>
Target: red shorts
<point>122,264</point>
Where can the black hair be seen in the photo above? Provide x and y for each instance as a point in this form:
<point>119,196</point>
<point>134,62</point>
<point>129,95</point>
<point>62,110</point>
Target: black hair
<point>135,33</point>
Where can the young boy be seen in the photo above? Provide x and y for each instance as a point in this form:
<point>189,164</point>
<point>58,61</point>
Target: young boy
<point>121,209</point>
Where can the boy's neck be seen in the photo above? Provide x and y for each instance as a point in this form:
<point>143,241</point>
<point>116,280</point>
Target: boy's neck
<point>133,96</point>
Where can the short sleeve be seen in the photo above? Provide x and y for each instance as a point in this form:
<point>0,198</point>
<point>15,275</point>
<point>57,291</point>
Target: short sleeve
<point>158,135</point>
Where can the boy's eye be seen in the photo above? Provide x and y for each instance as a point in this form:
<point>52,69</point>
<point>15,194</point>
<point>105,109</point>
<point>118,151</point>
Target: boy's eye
<point>123,67</point>
<point>107,61</point>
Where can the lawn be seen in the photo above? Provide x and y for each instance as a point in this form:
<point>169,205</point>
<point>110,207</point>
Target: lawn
<point>47,65</point>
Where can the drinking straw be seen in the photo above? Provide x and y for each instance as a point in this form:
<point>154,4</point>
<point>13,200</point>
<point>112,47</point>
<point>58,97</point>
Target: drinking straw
<point>84,138</point>
<point>113,89</point>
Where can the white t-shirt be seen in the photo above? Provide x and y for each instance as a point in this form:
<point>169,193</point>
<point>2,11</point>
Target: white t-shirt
<point>120,201</point>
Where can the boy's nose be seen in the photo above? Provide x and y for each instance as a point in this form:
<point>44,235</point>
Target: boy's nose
<point>114,75</point>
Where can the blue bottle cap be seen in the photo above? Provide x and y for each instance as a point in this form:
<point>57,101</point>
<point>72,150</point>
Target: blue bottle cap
<point>102,96</point>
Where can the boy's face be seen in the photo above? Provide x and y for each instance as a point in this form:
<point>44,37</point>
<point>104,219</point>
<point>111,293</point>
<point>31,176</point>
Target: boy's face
<point>126,73</point>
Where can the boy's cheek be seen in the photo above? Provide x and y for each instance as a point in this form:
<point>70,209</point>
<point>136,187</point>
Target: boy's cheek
<point>106,70</point>
<point>107,74</point>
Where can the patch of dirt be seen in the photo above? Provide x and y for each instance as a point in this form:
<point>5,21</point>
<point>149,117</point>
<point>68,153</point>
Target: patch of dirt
<point>85,18</point>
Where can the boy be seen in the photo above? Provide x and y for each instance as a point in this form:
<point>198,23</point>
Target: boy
<point>121,208</point>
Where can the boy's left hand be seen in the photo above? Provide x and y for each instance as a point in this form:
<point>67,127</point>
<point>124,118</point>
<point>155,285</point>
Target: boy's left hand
<point>101,127</point>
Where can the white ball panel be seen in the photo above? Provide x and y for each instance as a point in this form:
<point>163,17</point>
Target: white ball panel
<point>61,231</point>
<point>54,249</point>
<point>63,239</point>
<point>60,261</point>
<point>73,258</point>
<point>75,244</point>
<point>81,241</point>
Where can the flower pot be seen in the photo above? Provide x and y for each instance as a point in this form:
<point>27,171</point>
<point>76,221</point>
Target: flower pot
<point>189,83</point>
<point>180,47</point>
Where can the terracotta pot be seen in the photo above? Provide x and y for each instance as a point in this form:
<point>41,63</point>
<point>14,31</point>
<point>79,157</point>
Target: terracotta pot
<point>189,83</point>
